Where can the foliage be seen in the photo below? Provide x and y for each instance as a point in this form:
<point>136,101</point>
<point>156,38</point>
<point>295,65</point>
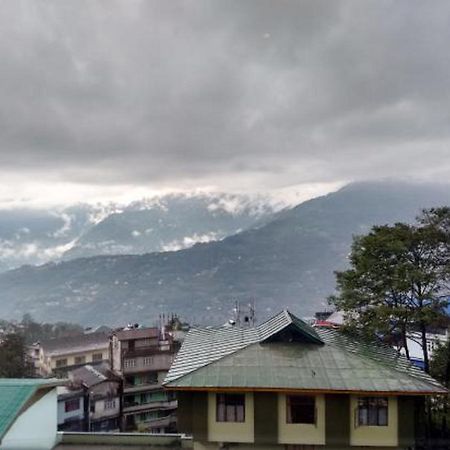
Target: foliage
<point>399,279</point>
<point>13,358</point>
<point>440,364</point>
<point>34,331</point>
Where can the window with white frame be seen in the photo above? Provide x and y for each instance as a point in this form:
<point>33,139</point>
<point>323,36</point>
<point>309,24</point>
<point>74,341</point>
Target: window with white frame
<point>148,360</point>
<point>128,363</point>
<point>110,404</point>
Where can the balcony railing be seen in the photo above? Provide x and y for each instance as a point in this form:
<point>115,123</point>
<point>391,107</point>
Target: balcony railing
<point>131,388</point>
<point>136,407</point>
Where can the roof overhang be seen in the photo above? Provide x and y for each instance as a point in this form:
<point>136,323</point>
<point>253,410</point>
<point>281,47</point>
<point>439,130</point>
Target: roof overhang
<point>305,391</point>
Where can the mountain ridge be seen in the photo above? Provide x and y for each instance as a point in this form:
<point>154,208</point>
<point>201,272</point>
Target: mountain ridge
<point>288,262</point>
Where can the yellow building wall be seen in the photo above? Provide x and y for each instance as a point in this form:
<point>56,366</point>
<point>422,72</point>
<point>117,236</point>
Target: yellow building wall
<point>231,431</point>
<point>299,433</point>
<point>71,358</point>
<point>386,436</point>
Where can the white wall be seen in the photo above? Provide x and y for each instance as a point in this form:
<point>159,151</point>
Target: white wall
<point>63,415</point>
<point>36,427</point>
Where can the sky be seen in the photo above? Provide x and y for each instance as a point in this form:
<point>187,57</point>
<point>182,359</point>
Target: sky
<point>121,99</point>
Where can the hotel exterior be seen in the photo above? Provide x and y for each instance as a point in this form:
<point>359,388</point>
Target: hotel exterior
<point>285,384</point>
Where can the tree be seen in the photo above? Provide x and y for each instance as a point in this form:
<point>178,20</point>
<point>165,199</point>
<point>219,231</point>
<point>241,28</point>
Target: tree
<point>440,364</point>
<point>13,359</point>
<point>399,279</point>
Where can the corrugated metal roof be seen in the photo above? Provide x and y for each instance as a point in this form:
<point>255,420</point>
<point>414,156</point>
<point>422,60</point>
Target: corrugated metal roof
<point>236,358</point>
<point>90,376</point>
<point>14,395</point>
<point>75,344</point>
<point>203,346</point>
<point>137,333</point>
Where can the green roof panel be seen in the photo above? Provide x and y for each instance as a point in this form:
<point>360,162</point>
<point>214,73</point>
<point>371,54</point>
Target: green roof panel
<point>324,360</point>
<point>14,395</point>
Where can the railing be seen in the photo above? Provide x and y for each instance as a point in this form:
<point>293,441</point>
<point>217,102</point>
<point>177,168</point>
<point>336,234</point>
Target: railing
<point>138,440</point>
<point>130,388</point>
<point>134,407</point>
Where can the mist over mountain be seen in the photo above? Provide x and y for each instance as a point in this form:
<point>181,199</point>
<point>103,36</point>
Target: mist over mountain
<point>172,222</point>
<point>288,262</point>
<point>37,236</point>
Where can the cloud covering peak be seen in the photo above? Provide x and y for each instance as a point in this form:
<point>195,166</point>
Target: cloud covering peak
<point>248,95</point>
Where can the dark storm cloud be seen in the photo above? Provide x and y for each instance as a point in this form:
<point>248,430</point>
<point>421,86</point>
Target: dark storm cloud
<point>276,92</point>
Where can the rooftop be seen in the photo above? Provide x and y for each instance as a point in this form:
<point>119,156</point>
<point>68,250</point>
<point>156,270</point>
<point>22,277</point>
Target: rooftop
<point>76,344</point>
<point>16,395</point>
<point>137,333</point>
<point>89,375</point>
<point>285,353</point>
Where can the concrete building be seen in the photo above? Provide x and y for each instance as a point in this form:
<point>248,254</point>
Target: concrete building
<point>71,408</point>
<point>58,356</point>
<point>28,416</point>
<point>102,396</point>
<point>285,384</point>
<point>142,356</point>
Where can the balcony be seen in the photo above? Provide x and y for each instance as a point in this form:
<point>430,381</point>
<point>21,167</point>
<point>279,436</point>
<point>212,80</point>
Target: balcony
<point>132,388</point>
<point>132,407</point>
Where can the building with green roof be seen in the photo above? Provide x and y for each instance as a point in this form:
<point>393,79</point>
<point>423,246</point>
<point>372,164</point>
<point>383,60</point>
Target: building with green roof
<point>286,383</point>
<point>28,418</point>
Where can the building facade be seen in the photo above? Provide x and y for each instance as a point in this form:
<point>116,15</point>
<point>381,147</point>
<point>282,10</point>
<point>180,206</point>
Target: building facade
<point>71,408</point>
<point>142,357</point>
<point>58,356</point>
<point>102,396</point>
<point>285,383</point>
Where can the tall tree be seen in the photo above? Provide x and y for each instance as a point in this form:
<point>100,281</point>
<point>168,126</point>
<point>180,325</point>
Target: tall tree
<point>399,279</point>
<point>13,358</point>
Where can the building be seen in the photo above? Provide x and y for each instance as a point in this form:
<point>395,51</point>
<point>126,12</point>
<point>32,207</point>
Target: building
<point>28,414</point>
<point>143,356</point>
<point>71,408</point>
<point>414,341</point>
<point>102,396</point>
<point>284,384</point>
<point>58,356</point>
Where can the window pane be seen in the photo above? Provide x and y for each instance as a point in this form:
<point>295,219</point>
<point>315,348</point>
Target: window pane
<point>373,411</point>
<point>301,409</point>
<point>220,412</point>
<point>230,407</point>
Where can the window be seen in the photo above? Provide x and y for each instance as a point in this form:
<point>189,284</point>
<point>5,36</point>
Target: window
<point>230,407</point>
<point>80,359</point>
<point>129,363</point>
<point>372,411</point>
<point>61,362</point>
<point>72,405</point>
<point>110,404</point>
<point>301,409</point>
<point>148,360</point>
<point>97,357</point>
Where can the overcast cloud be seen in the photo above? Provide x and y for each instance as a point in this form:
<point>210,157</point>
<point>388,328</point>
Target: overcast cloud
<point>101,96</point>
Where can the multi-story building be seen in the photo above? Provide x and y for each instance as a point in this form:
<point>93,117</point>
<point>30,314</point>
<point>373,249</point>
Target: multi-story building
<point>284,384</point>
<point>58,356</point>
<point>102,396</point>
<point>71,408</point>
<point>142,356</point>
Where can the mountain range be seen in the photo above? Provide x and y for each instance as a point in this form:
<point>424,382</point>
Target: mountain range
<point>171,222</point>
<point>285,262</point>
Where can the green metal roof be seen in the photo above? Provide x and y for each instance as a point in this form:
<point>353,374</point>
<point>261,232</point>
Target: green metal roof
<point>203,346</point>
<point>14,396</point>
<point>326,360</point>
